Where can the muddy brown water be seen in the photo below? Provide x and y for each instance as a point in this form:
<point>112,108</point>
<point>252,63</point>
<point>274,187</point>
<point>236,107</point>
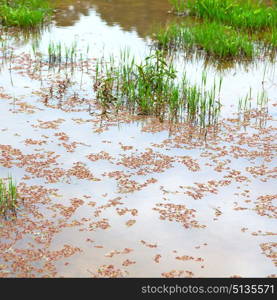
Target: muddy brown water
<point>125,195</point>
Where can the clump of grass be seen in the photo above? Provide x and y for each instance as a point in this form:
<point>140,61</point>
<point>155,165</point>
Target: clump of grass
<point>8,196</point>
<point>251,15</point>
<point>145,87</point>
<point>152,88</point>
<point>60,57</point>
<point>247,103</point>
<point>215,39</point>
<point>23,13</point>
<point>248,107</point>
<point>202,105</point>
<point>57,53</point>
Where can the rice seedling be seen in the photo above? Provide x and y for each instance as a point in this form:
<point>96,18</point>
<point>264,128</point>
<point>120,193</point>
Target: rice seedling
<point>250,15</point>
<point>246,103</point>
<point>249,108</point>
<point>202,105</point>
<point>23,13</point>
<point>262,100</point>
<point>59,57</point>
<point>58,54</point>
<point>215,39</point>
<point>8,196</point>
<point>152,88</point>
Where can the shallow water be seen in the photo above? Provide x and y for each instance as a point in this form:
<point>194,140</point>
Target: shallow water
<point>181,205</point>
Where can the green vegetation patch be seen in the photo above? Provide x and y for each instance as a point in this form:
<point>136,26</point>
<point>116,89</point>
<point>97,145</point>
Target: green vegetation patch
<point>152,88</point>
<point>251,15</point>
<point>23,13</point>
<point>224,29</point>
<point>215,39</point>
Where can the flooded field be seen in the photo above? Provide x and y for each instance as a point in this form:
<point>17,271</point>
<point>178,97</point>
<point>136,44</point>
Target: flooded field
<point>115,191</point>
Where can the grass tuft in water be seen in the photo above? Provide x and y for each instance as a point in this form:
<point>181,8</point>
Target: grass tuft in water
<point>215,39</point>
<point>58,54</point>
<point>8,196</point>
<point>251,15</point>
<point>23,13</point>
<point>152,88</point>
<point>247,102</point>
<point>249,107</point>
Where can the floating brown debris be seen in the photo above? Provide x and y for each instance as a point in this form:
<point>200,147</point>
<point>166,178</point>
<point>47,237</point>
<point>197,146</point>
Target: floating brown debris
<point>109,271</point>
<point>128,262</point>
<point>115,252</point>
<point>102,224</point>
<point>35,260</point>
<point>146,162</point>
<point>80,171</point>
<point>127,185</point>
<point>217,212</point>
<point>148,244</point>
<point>191,163</point>
<point>244,229</point>
<point>178,213</point>
<point>112,253</point>
<point>187,257</point>
<point>69,211</point>
<point>123,211</point>
<point>39,165</point>
<point>125,148</point>
<point>266,233</point>
<point>34,142</point>
<point>62,136</point>
<point>49,124</point>
<point>126,250</point>
<point>157,258</point>
<point>130,223</point>
<point>99,156</point>
<point>110,203</point>
<point>265,207</point>
<point>270,250</point>
<point>178,274</point>
<point>199,189</point>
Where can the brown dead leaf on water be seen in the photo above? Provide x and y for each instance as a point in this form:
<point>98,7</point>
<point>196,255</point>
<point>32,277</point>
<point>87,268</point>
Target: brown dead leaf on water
<point>157,258</point>
<point>128,262</point>
<point>148,244</point>
<point>127,250</point>
<point>130,223</point>
<point>243,229</point>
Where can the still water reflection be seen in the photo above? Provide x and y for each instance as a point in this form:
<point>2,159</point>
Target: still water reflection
<point>130,15</point>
